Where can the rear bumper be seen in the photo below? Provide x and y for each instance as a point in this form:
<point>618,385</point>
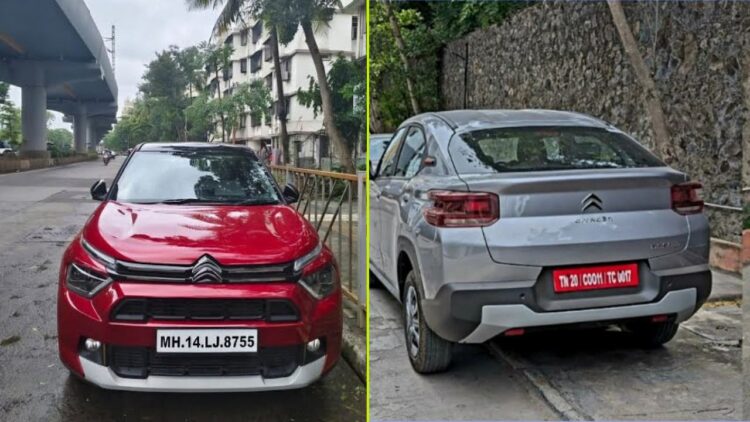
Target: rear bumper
<point>500,318</point>
<point>104,377</point>
<point>476,312</point>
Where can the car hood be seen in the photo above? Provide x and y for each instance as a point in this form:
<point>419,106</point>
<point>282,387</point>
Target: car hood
<point>181,234</point>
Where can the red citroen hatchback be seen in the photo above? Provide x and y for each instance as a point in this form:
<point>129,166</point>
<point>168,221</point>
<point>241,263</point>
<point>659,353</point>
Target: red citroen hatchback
<point>195,274</point>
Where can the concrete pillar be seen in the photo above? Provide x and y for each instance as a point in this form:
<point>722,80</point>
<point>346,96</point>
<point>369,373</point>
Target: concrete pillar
<point>80,130</point>
<point>34,115</point>
<point>93,141</point>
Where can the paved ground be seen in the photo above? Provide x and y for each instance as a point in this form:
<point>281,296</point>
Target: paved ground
<point>745,345</point>
<point>585,375</point>
<point>39,211</point>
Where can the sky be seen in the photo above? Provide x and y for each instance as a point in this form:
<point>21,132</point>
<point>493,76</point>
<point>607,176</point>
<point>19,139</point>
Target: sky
<point>143,27</point>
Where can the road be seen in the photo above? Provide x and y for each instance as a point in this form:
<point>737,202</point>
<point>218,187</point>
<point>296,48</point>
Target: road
<point>583,375</point>
<point>39,212</point>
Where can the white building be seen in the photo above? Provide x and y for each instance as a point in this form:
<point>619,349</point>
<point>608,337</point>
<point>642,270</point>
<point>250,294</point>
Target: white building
<point>251,60</point>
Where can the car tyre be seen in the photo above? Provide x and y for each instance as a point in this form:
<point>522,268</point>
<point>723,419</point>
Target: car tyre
<point>428,352</point>
<point>653,334</point>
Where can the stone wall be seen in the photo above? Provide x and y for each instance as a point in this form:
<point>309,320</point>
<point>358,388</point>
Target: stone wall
<point>569,56</point>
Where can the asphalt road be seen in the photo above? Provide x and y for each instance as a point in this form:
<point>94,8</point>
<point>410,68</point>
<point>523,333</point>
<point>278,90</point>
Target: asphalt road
<point>39,212</point>
<point>574,375</point>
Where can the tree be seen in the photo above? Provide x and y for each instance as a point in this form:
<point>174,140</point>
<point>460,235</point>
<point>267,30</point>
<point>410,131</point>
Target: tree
<point>10,123</point>
<point>652,96</point>
<point>347,81</point>
<point>405,62</point>
<point>288,15</point>
<point>217,61</point>
<point>164,87</point>
<point>61,139</point>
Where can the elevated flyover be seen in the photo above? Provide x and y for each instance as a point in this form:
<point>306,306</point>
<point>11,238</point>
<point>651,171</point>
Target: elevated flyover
<point>53,50</point>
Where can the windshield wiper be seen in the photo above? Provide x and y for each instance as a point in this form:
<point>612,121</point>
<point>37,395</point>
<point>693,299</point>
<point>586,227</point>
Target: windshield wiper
<point>256,202</point>
<point>178,201</point>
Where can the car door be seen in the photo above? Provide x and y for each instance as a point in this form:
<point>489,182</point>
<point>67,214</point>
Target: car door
<point>387,162</point>
<point>395,197</point>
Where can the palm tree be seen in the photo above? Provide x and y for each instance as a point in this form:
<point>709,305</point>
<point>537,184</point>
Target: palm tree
<point>287,15</point>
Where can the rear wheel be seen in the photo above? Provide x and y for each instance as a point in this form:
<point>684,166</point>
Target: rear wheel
<point>653,334</point>
<point>428,353</point>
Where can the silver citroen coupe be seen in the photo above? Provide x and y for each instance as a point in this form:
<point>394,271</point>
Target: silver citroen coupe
<point>499,222</point>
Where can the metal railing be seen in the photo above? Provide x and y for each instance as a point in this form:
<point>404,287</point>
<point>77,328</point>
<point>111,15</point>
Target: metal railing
<point>335,204</point>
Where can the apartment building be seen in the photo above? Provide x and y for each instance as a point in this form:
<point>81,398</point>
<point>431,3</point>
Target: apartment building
<point>252,60</point>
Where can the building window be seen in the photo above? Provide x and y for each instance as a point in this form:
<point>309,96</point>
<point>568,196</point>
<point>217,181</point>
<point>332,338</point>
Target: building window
<point>269,81</point>
<point>286,70</point>
<point>267,51</point>
<point>243,121</point>
<point>256,61</point>
<point>257,31</point>
<point>243,65</point>
<point>355,27</point>
<point>229,40</point>
<point>256,119</point>
<point>243,37</point>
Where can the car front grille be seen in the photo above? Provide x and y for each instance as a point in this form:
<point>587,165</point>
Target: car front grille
<point>173,309</point>
<point>140,362</point>
<point>132,271</point>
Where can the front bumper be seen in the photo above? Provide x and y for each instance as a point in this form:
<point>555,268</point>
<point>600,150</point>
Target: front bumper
<point>476,312</point>
<point>104,377</point>
<point>80,318</point>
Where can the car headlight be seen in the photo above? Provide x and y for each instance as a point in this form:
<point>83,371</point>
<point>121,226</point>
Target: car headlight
<point>85,282</point>
<point>300,263</point>
<point>320,283</point>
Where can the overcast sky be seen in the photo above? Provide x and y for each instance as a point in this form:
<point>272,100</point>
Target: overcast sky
<point>143,27</point>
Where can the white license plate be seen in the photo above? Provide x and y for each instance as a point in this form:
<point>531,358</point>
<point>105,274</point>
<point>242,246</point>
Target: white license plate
<point>207,341</point>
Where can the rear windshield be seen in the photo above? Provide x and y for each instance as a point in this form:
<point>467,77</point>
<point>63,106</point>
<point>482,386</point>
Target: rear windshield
<point>547,148</point>
<point>195,175</point>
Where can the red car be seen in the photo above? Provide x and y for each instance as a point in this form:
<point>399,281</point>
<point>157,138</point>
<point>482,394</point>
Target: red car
<point>196,274</point>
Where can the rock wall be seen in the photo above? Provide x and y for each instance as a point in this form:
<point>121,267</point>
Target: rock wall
<point>569,56</point>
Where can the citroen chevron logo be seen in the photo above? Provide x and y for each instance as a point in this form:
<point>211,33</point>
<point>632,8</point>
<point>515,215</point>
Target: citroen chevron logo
<point>591,201</point>
<point>206,270</point>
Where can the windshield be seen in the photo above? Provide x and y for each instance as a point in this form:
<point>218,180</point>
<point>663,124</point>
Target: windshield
<point>546,148</point>
<point>195,176</point>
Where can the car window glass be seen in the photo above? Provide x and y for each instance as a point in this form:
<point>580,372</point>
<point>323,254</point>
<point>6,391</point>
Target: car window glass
<point>410,158</point>
<point>547,148</point>
<point>195,175</point>
<point>388,163</point>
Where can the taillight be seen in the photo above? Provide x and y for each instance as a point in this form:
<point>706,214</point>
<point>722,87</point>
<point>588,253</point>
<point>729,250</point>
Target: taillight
<point>462,209</point>
<point>686,199</point>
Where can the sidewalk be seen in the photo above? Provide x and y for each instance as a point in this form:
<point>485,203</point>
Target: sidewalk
<point>726,286</point>
<point>354,341</point>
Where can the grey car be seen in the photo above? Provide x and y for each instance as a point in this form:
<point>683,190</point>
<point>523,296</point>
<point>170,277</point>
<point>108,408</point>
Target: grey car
<point>490,223</point>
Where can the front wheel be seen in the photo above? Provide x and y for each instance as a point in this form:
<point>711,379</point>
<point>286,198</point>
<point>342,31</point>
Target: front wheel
<point>428,352</point>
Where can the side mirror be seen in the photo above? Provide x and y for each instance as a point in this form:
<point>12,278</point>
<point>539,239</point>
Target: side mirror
<point>372,171</point>
<point>291,194</point>
<point>99,190</point>
<point>428,161</point>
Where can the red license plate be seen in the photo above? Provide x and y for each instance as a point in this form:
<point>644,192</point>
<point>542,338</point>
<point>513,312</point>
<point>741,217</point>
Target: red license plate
<point>595,278</point>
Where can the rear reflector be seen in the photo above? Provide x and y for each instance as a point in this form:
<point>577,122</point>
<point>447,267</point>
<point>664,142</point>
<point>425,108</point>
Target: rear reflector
<point>659,318</point>
<point>462,209</point>
<point>686,199</point>
<point>514,332</point>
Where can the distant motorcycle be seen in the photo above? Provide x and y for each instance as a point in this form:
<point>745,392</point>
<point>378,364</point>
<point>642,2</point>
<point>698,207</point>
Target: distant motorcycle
<point>106,157</point>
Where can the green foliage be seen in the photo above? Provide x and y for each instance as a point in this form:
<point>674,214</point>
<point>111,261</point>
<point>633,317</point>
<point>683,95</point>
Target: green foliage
<point>10,123</point>
<point>425,28</point>
<point>60,142</point>
<point>347,81</point>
